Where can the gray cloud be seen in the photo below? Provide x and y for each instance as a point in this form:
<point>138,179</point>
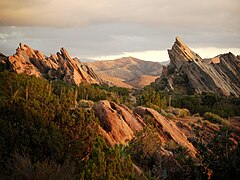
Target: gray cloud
<point>176,13</point>
<point>97,28</point>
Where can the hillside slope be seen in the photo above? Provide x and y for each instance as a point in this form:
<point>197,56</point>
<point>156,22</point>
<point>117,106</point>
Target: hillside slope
<point>130,70</point>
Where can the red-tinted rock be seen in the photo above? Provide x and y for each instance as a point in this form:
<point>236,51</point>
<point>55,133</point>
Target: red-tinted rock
<point>60,66</point>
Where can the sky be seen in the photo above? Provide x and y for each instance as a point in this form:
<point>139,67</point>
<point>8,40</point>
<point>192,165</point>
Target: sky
<point>109,29</point>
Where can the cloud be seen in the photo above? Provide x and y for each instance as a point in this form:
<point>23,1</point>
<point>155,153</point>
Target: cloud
<point>110,39</point>
<point>90,28</point>
<point>174,13</point>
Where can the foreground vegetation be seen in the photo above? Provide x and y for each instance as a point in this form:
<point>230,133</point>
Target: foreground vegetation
<point>43,133</point>
<point>46,133</point>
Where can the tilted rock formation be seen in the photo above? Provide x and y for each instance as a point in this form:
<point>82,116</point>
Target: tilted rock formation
<point>118,122</point>
<point>167,129</point>
<point>180,54</point>
<point>60,66</point>
<point>189,71</point>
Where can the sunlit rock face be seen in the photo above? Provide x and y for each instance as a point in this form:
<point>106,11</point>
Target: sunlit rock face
<point>56,67</point>
<point>119,124</point>
<point>187,70</point>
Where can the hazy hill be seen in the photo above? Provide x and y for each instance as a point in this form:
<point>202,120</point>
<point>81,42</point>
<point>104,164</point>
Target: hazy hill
<point>132,71</point>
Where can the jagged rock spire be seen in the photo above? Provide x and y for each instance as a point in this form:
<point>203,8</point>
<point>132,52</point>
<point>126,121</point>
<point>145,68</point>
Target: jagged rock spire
<point>181,53</point>
<point>218,75</point>
<point>60,66</point>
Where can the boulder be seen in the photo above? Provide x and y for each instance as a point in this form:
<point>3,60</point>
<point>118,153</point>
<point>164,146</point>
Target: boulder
<point>118,123</point>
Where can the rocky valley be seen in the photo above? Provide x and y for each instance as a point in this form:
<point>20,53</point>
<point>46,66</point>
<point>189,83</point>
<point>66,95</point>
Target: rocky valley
<point>64,119</point>
<point>106,90</point>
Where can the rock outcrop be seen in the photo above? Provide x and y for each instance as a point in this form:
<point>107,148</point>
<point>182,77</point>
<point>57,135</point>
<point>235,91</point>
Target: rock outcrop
<point>118,122</point>
<point>167,129</point>
<point>60,66</point>
<point>188,71</point>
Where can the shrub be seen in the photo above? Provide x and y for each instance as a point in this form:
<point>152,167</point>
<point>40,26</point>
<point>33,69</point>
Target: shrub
<point>184,112</point>
<point>214,118</point>
<point>171,145</point>
<point>170,116</point>
<point>85,103</point>
<point>179,124</point>
<point>167,115</point>
<point>211,125</point>
<point>178,112</point>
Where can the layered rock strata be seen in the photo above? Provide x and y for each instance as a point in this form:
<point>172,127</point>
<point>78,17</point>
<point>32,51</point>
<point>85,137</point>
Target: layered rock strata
<point>119,124</point>
<point>60,66</point>
<point>220,75</point>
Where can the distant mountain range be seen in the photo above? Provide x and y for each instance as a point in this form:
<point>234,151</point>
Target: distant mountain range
<point>87,60</point>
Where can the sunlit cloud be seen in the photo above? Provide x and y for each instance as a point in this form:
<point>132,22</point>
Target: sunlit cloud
<point>155,55</point>
<point>106,28</point>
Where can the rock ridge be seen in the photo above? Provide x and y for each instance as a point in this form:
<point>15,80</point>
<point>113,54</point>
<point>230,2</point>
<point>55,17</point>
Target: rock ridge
<point>187,70</point>
<point>59,66</point>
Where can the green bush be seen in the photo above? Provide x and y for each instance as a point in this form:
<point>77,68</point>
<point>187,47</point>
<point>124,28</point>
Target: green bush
<point>178,111</point>
<point>214,118</point>
<point>170,116</point>
<point>208,103</point>
<point>167,115</point>
<point>85,103</point>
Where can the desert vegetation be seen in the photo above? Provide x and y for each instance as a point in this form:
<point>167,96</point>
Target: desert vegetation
<point>44,134</point>
<point>49,131</point>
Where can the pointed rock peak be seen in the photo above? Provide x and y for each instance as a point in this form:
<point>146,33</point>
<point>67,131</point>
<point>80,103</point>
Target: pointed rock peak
<point>26,48</point>
<point>180,43</point>
<point>178,40</point>
<point>62,49</point>
<point>181,54</point>
<point>23,46</point>
<point>30,52</point>
<point>65,53</point>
